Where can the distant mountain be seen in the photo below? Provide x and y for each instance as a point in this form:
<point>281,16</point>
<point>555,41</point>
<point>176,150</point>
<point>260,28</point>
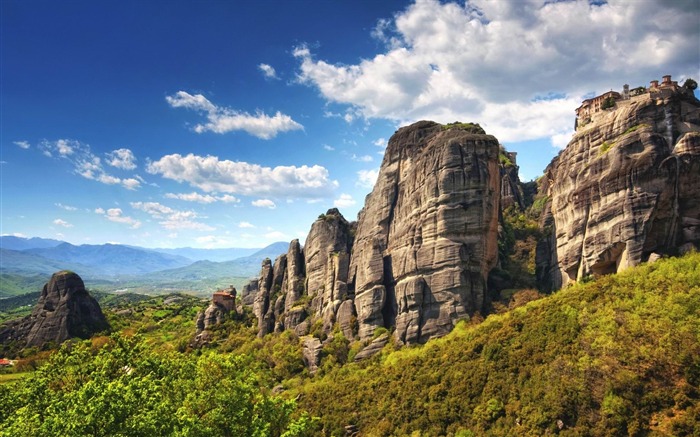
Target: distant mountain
<point>30,264</point>
<point>112,259</point>
<point>19,243</point>
<point>216,255</point>
<point>245,267</point>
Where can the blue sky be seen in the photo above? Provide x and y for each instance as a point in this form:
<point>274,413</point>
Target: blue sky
<point>235,124</point>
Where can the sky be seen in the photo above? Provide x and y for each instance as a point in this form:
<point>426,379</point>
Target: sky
<point>217,124</point>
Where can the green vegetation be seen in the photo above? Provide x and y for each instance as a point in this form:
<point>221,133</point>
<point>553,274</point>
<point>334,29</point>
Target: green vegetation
<point>473,128</point>
<point>121,387</point>
<point>617,356</point>
<point>634,128</point>
<point>605,147</point>
<point>608,103</point>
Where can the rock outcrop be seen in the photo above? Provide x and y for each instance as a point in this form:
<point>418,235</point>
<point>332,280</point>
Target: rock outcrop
<point>65,310</point>
<point>222,306</point>
<point>418,259</point>
<point>625,188</point>
<point>427,236</point>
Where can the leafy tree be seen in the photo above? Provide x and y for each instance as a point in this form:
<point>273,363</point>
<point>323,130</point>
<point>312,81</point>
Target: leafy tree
<point>124,388</point>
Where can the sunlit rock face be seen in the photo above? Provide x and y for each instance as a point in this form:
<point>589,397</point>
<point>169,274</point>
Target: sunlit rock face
<point>625,188</point>
<point>427,236</point>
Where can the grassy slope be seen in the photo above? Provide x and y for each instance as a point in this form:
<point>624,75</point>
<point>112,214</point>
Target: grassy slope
<point>620,356</point>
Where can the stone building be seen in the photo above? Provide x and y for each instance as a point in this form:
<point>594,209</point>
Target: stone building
<point>225,298</point>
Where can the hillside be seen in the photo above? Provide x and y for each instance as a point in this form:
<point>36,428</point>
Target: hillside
<point>618,356</point>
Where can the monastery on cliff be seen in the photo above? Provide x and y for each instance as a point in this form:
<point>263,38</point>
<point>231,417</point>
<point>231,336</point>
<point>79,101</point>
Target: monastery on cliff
<point>590,108</point>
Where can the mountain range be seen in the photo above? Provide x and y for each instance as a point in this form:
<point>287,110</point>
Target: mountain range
<point>22,260</point>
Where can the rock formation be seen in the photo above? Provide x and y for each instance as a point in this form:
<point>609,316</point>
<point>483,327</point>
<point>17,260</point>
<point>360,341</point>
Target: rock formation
<point>65,310</point>
<point>222,305</point>
<point>418,259</point>
<point>427,236</point>
<point>624,188</point>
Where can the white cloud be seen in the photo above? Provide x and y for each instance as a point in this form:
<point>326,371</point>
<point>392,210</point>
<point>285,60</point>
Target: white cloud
<point>66,207</point>
<point>63,223</point>
<point>364,158</point>
<point>213,175</point>
<point>268,71</point>
<point>64,147</point>
<point>15,234</point>
<point>379,142</point>
<point>367,178</point>
<point>329,148</point>
<point>264,203</point>
<point>117,215</point>
<point>276,235</point>
<point>22,144</point>
<point>122,158</point>
<point>561,140</point>
<point>202,198</point>
<point>172,219</point>
<point>88,165</point>
<point>518,68</point>
<point>222,120</point>
<point>246,225</point>
<point>344,201</point>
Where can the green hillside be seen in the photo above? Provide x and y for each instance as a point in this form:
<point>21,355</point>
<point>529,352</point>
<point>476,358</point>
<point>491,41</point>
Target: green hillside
<point>619,356</point>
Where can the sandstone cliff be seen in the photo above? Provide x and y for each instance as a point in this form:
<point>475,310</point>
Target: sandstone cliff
<point>65,310</point>
<point>427,236</point>
<point>624,188</point>
<point>419,257</point>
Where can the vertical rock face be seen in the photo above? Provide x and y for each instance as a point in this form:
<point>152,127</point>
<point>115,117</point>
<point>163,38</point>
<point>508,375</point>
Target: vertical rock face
<point>263,308</point>
<point>427,236</point>
<point>624,188</point>
<point>327,258</point>
<point>65,310</point>
<point>419,257</point>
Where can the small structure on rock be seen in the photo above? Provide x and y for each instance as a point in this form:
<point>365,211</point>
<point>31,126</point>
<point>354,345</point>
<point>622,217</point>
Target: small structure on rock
<point>223,303</point>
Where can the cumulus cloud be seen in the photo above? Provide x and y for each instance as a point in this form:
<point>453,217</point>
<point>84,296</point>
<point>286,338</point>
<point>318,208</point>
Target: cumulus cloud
<point>172,219</point>
<point>122,158</point>
<point>344,201</point>
<point>367,178</point>
<point>329,148</point>
<point>518,68</point>
<point>89,165</point>
<point>66,207</point>
<point>117,215</point>
<point>22,144</point>
<point>202,198</point>
<point>222,120</point>
<point>379,142</point>
<point>60,222</point>
<point>264,203</point>
<point>210,174</point>
<point>246,225</point>
<point>268,71</point>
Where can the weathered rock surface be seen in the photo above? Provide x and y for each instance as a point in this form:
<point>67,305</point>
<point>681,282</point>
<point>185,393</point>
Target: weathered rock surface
<point>65,310</point>
<point>625,188</point>
<point>311,353</point>
<point>327,258</point>
<point>262,307</point>
<point>373,347</point>
<point>427,236</point>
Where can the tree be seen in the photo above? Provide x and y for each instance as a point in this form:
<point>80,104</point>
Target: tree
<point>123,388</point>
